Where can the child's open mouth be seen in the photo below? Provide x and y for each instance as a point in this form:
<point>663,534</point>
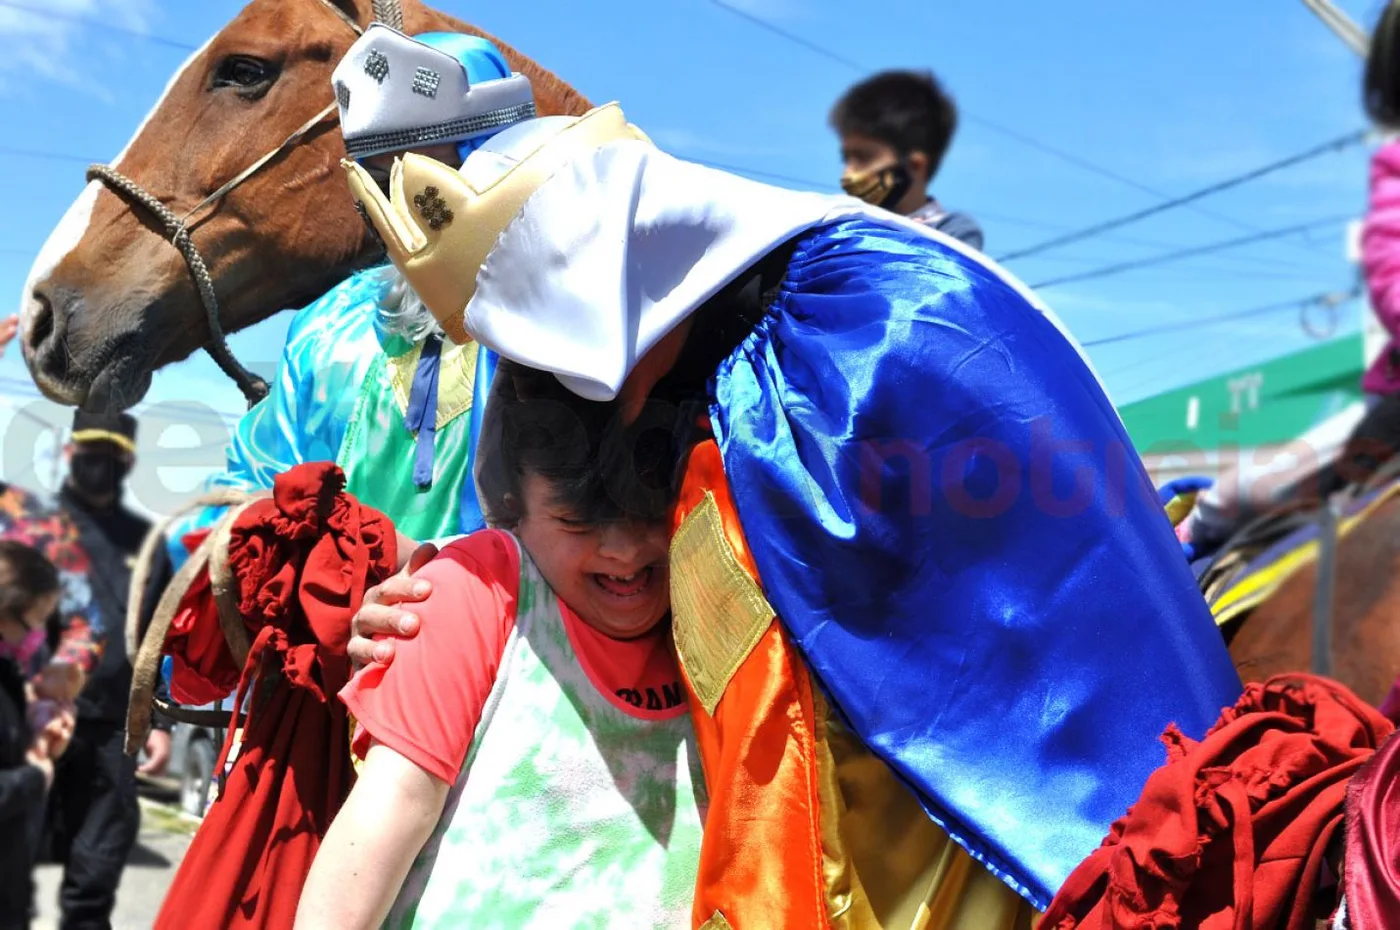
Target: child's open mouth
<point>625,586</point>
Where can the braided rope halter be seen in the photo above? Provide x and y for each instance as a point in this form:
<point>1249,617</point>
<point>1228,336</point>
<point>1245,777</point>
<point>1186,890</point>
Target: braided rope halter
<point>177,228</point>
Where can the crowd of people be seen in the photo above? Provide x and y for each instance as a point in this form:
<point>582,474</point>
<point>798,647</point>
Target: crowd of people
<point>623,599</point>
<point>67,569</point>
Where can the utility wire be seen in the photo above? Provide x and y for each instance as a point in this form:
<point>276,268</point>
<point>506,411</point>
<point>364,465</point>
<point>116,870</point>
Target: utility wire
<point>1329,299</point>
<point>1332,145</point>
<point>85,21</point>
<point>989,124</point>
<point>819,50</point>
<point>1180,254</point>
<point>993,125</point>
<point>35,153</point>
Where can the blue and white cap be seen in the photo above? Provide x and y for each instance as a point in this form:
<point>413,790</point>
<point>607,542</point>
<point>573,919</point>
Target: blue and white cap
<point>398,92</point>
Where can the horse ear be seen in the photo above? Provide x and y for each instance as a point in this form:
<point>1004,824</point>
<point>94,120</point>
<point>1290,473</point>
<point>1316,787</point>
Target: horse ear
<point>361,11</point>
<point>364,11</point>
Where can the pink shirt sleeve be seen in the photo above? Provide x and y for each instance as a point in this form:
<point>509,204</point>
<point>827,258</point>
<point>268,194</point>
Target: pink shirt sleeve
<point>1380,238</point>
<point>427,703</point>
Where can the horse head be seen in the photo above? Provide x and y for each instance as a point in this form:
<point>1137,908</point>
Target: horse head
<point>109,300</point>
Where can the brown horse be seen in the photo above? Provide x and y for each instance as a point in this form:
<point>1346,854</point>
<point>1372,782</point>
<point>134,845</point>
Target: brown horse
<point>109,300</point>
<point>1365,614</point>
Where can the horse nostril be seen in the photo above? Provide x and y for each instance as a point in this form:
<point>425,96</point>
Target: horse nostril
<point>43,340</point>
<point>41,322</point>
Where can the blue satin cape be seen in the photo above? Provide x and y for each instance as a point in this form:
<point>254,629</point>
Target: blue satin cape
<point>949,518</point>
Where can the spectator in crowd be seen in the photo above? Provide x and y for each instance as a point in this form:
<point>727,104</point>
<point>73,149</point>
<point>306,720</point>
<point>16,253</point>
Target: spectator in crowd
<point>94,812</point>
<point>32,734</point>
<point>895,128</point>
<point>92,540</point>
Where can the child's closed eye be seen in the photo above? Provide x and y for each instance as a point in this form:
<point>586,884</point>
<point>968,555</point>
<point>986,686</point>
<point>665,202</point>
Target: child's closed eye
<point>577,527</point>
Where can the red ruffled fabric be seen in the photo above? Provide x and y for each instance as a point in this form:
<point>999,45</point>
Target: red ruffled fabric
<point>1232,832</point>
<point>303,560</point>
<point>1372,871</point>
<point>202,668</point>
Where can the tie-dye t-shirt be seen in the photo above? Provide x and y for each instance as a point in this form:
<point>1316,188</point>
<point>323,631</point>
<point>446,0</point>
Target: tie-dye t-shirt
<point>426,705</point>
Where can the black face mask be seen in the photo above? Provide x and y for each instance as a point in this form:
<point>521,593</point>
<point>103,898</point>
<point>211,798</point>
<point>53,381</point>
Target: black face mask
<point>98,475</point>
<point>882,188</point>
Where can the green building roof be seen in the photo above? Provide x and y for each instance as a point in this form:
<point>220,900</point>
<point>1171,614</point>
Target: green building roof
<point>1260,405</point>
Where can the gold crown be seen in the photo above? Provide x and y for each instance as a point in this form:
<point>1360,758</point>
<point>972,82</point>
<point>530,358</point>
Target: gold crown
<point>438,224</point>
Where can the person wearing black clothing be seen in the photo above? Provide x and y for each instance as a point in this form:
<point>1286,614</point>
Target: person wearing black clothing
<point>29,590</point>
<point>94,813</point>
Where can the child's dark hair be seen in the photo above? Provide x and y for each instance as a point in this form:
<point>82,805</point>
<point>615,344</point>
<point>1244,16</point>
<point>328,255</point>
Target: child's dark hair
<point>25,576</point>
<point>600,470</point>
<point>1381,85</point>
<point>907,110</point>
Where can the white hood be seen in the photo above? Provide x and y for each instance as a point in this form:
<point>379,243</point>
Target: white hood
<point>622,244</point>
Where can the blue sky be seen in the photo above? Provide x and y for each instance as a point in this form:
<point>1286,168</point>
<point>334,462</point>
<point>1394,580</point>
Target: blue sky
<point>1171,96</point>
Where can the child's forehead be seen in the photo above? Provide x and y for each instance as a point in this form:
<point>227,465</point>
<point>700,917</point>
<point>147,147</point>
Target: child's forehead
<point>556,495</point>
<point>857,142</point>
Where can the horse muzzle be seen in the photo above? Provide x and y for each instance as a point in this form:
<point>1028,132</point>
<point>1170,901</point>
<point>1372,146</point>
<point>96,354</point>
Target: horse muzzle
<point>62,369</point>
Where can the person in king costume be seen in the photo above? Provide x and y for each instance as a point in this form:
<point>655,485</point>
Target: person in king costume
<point>366,437</point>
<point>366,380</point>
<point>915,561</point>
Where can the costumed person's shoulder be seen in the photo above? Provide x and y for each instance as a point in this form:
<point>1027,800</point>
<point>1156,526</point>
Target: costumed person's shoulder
<point>842,265</point>
<point>343,312</point>
<point>867,251</point>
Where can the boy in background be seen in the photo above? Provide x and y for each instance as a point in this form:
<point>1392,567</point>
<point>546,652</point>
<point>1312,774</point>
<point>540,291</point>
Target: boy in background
<point>895,128</point>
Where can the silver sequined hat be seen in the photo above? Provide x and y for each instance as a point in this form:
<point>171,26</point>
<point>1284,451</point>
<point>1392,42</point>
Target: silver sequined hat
<point>396,93</point>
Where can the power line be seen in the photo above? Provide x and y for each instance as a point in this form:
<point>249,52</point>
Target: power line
<point>983,121</point>
<point>1329,299</point>
<point>1239,265</point>
<point>1096,258</point>
<point>1333,145</point>
<point>85,21</point>
<point>993,125</point>
<point>808,183</point>
<point>1164,372</point>
<point>1257,237</point>
<point>809,45</point>
<point>35,153</point>
<point>1134,389</point>
<point>1180,254</point>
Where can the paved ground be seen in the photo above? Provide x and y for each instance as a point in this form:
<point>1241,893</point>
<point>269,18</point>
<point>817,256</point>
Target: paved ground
<point>165,835</point>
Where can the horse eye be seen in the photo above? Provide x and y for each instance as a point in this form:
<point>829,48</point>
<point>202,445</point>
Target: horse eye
<point>244,73</point>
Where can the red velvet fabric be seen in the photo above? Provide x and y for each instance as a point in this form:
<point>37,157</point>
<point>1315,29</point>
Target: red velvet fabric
<point>203,670</point>
<point>1372,871</point>
<point>1232,832</point>
<point>303,560</point>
